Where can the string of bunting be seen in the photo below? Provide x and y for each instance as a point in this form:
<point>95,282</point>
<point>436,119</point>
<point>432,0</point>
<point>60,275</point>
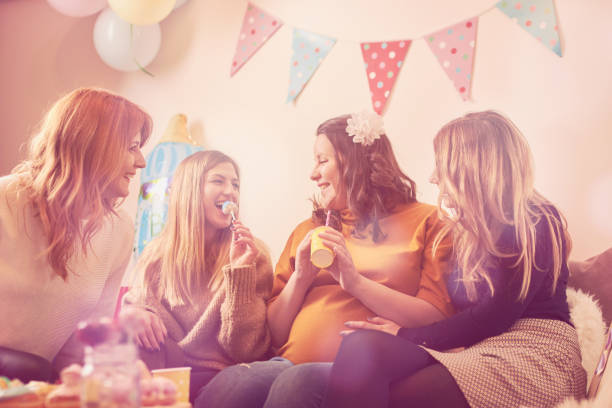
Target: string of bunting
<point>453,46</point>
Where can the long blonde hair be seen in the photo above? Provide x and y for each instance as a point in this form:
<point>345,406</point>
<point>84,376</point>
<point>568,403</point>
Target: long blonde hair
<point>485,170</point>
<point>72,161</point>
<point>185,265</point>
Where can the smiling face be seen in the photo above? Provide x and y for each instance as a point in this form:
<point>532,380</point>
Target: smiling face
<point>326,174</point>
<point>131,161</point>
<point>221,184</point>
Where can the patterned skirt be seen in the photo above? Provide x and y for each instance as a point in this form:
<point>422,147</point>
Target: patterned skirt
<point>535,364</point>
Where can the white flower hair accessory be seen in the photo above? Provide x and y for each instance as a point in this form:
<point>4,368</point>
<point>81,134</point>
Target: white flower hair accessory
<point>365,127</point>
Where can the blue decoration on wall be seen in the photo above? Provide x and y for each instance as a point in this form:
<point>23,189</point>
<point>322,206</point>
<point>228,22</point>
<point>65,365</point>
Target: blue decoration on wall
<point>154,187</point>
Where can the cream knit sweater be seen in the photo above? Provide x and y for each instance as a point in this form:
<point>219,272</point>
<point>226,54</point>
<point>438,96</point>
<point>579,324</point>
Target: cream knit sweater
<point>222,327</point>
<point>39,311</point>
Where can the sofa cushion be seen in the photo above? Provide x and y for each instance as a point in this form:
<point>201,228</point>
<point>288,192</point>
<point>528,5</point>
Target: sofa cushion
<point>594,276</point>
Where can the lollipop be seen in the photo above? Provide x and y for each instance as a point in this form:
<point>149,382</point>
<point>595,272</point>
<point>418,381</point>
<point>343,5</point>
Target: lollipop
<point>230,207</point>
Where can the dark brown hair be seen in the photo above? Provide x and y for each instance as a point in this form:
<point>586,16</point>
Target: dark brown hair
<point>373,180</point>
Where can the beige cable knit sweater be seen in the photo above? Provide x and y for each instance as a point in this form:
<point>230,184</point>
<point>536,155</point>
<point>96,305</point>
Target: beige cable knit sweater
<point>224,327</point>
<point>39,311</point>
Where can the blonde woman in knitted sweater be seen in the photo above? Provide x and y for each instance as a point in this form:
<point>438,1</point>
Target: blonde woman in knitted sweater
<point>202,284</point>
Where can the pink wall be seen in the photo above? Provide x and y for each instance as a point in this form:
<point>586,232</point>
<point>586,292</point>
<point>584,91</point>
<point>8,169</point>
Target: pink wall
<point>43,55</point>
<point>561,104</point>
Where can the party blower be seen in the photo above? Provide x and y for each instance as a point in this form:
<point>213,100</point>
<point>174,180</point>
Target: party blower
<point>230,207</point>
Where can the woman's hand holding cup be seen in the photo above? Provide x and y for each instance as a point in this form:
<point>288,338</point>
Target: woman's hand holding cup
<point>342,269</point>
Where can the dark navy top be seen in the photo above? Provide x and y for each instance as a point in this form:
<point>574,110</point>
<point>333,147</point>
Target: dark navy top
<point>493,315</point>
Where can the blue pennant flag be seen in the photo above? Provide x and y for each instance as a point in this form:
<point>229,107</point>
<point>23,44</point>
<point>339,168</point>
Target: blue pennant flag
<point>309,50</point>
<point>537,17</point>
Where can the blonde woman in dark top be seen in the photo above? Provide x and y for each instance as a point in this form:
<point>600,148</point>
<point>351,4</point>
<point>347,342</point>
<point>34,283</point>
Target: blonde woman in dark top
<point>518,346</point>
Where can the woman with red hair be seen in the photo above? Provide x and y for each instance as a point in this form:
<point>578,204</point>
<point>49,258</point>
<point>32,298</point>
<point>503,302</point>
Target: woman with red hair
<point>63,243</point>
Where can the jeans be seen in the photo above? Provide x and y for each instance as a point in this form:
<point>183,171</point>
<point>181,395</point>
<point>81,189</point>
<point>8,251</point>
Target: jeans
<point>199,378</point>
<point>300,386</point>
<point>273,383</point>
<point>241,385</point>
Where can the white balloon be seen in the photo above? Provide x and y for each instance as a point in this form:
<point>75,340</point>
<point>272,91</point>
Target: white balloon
<point>78,8</point>
<point>120,45</point>
<point>179,3</point>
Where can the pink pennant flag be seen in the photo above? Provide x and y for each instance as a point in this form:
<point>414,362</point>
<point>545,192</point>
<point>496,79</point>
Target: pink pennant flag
<point>257,27</point>
<point>454,47</point>
<point>383,60</point>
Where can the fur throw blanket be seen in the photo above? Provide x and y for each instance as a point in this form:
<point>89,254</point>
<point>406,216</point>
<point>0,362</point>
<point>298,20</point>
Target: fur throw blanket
<point>587,317</point>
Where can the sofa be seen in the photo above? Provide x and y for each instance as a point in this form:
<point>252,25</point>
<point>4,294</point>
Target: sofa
<point>590,297</point>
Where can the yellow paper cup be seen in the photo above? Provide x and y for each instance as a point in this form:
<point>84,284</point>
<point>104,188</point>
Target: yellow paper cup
<point>180,376</point>
<point>320,255</point>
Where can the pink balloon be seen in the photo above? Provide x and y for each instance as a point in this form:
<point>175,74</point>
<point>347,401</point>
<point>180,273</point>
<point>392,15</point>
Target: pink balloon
<point>78,8</point>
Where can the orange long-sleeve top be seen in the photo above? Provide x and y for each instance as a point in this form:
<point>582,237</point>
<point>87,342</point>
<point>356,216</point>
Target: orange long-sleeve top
<point>403,261</point>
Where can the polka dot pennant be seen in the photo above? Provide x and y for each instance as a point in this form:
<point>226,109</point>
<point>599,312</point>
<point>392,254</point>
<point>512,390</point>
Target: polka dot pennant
<point>454,47</point>
<point>309,50</point>
<point>257,27</point>
<point>537,17</point>
<point>383,61</point>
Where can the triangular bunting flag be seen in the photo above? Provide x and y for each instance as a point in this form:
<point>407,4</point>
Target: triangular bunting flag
<point>309,50</point>
<point>383,61</point>
<point>538,17</point>
<point>257,27</point>
<point>454,47</point>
